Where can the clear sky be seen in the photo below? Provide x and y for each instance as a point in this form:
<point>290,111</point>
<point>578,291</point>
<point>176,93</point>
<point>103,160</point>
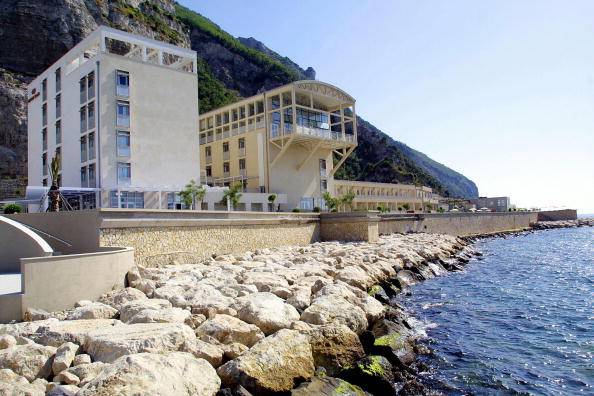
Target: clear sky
<point>501,91</point>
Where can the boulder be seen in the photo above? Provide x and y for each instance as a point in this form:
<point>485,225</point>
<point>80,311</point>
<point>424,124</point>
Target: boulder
<point>167,315</point>
<point>67,378</point>
<point>355,276</point>
<point>86,372</point>
<point>117,298</point>
<point>206,297</point>
<point>64,357</point>
<point>275,364</point>
<point>195,320</point>
<point>335,310</point>
<point>228,329</point>
<point>264,281</point>
<point>171,374</point>
<point>267,311</point>
<point>328,386</point>
<point>300,298</point>
<point>94,310</point>
<point>57,333</point>
<point>173,293</point>
<point>132,308</point>
<point>81,359</point>
<point>335,347</point>
<point>25,329</point>
<point>213,354</point>
<point>63,390</point>
<point>374,374</point>
<point>14,384</point>
<point>30,361</point>
<point>35,314</point>
<point>7,341</point>
<point>108,344</point>
<point>234,350</point>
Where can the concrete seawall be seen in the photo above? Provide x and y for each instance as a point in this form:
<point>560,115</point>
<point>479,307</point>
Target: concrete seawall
<point>457,224</point>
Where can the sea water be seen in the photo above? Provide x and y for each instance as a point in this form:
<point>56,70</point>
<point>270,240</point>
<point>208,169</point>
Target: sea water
<point>519,321</point>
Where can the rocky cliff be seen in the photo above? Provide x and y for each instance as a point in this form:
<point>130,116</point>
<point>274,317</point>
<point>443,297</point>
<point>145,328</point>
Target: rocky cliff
<point>35,33</point>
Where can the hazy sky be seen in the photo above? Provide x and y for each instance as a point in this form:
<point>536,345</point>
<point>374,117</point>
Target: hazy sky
<point>501,91</point>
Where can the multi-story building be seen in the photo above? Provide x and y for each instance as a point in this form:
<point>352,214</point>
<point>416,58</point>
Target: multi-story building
<point>121,111</point>
<point>494,204</point>
<point>288,140</point>
<point>388,196</point>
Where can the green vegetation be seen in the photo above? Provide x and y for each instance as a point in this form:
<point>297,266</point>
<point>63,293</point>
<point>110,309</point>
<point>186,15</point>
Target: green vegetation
<point>440,210</point>
<point>232,195</point>
<point>373,367</point>
<point>296,210</point>
<point>346,388</point>
<point>393,340</point>
<point>13,208</point>
<point>383,209</point>
<point>271,199</point>
<point>192,193</point>
<point>152,15</point>
<point>317,209</point>
<point>270,66</point>
<point>374,290</point>
<point>406,207</point>
<point>334,203</point>
<point>212,93</point>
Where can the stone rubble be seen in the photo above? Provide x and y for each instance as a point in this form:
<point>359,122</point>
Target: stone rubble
<point>262,322</point>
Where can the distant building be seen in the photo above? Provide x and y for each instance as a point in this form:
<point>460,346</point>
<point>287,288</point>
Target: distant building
<point>121,111</point>
<point>494,204</point>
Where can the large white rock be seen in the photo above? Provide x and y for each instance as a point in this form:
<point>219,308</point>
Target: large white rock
<point>128,310</point>
<point>64,357</point>
<point>167,315</point>
<point>264,281</point>
<point>87,372</point>
<point>171,374</point>
<point>213,354</point>
<point>267,311</point>
<point>205,298</point>
<point>94,310</point>
<point>228,329</point>
<point>335,310</point>
<point>108,344</point>
<point>30,361</point>
<point>274,364</point>
<point>57,333</point>
<point>7,341</point>
<point>14,384</point>
<point>300,297</point>
<point>117,298</point>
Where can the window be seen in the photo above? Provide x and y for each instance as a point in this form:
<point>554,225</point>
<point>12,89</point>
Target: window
<point>225,167</point>
<point>127,199</point>
<point>123,144</point>
<point>91,85</point>
<point>44,182</point>
<point>207,151</point>
<point>312,119</point>
<point>123,114</point>
<point>274,102</point>
<point>124,173</point>
<point>44,90</point>
<point>83,177</point>
<point>174,201</point>
<point>83,149</point>
<point>92,175</point>
<point>58,132</point>
<point>225,147</point>
<point>58,79</point>
<point>122,83</point>
<point>58,106</point>
<point>242,163</point>
<point>91,147</point>
<point>44,139</point>
<point>234,115</point>
<point>242,112</point>
<point>259,107</point>
<point>287,101</point>
<point>44,163</point>
<point>44,114</point>
<point>83,119</point>
<point>226,117</point>
<point>324,185</point>
<point>306,203</point>
<point>241,143</point>
<point>209,171</point>
<point>83,90</point>
<point>91,117</point>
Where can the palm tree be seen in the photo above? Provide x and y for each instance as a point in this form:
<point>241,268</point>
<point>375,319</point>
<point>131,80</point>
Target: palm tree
<point>347,200</point>
<point>193,192</point>
<point>271,199</point>
<point>232,195</point>
<point>54,196</point>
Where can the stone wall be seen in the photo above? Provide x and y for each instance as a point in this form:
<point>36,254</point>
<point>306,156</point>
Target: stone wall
<point>350,226</point>
<point>186,244</point>
<point>458,224</point>
<point>556,215</point>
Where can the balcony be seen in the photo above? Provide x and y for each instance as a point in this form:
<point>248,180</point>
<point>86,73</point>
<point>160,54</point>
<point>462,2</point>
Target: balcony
<point>208,159</point>
<point>225,155</point>
<point>241,152</point>
<point>243,173</point>
<point>304,133</point>
<point>202,140</point>
<point>226,175</point>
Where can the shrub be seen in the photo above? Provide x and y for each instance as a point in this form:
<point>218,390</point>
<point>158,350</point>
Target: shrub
<point>296,210</point>
<point>12,208</point>
<point>317,209</point>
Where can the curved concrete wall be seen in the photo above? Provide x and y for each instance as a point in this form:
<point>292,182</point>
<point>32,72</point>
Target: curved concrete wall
<point>18,241</point>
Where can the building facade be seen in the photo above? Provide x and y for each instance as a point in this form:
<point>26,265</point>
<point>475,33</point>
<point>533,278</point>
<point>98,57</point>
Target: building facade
<point>494,204</point>
<point>121,112</point>
<point>288,140</point>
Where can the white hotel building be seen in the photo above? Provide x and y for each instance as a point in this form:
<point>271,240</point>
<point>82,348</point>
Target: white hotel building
<point>121,111</point>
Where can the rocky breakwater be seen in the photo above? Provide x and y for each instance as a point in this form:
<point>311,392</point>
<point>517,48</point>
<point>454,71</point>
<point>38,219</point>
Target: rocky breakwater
<point>300,320</point>
<point>547,225</point>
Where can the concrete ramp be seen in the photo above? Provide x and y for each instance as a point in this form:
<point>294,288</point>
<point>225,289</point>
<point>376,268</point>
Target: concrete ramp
<point>16,242</point>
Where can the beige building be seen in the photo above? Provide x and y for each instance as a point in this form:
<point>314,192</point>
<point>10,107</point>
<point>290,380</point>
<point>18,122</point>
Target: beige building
<point>288,140</point>
<point>121,111</point>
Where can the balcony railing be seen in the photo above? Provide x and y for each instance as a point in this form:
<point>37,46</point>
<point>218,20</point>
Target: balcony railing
<point>242,151</point>
<point>243,173</point>
<point>226,174</point>
<point>203,140</point>
<point>225,155</point>
<point>208,159</point>
<point>275,131</point>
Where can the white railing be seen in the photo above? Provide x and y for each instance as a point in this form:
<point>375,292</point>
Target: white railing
<point>208,159</point>
<point>242,152</point>
<point>225,155</point>
<point>275,131</point>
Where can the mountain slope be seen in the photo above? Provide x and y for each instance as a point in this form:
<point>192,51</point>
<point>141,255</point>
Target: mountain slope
<point>35,33</point>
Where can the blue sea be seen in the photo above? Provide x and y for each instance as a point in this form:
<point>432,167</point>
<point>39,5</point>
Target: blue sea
<point>519,321</point>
